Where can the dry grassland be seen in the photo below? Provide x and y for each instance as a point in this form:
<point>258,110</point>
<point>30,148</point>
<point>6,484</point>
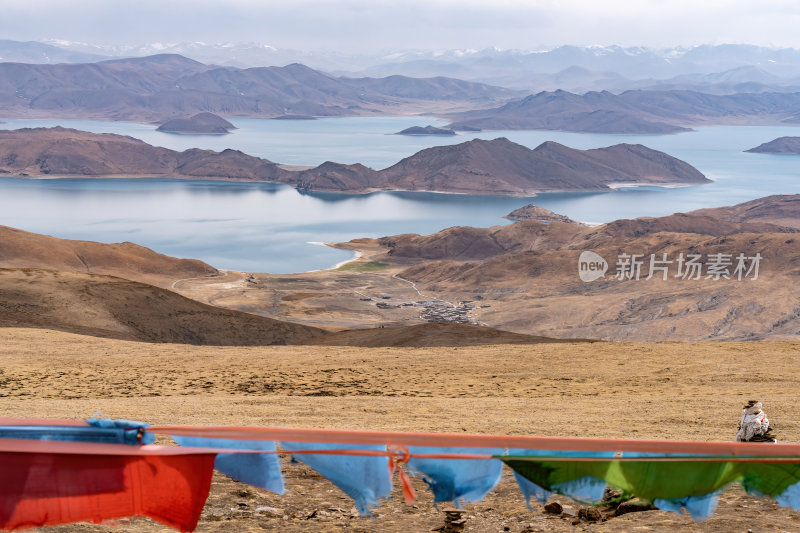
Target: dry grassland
<point>640,390</point>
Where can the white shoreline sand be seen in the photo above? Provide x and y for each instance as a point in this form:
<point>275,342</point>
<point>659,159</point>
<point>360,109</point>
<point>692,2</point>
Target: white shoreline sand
<point>356,256</point>
<point>627,185</point>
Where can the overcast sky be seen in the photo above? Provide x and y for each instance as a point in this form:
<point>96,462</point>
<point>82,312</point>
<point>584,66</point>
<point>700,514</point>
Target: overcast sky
<point>372,25</point>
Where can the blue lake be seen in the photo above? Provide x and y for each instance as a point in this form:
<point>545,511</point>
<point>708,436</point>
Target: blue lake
<point>267,228</point>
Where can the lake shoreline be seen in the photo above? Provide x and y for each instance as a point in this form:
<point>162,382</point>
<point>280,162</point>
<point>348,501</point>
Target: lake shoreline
<point>257,226</point>
<point>612,187</point>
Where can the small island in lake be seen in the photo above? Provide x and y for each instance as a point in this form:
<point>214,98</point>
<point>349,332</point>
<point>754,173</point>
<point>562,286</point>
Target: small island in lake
<point>539,214</point>
<point>427,130</point>
<point>781,145</point>
<point>199,124</point>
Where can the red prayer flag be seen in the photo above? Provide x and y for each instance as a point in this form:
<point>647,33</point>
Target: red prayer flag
<point>41,489</point>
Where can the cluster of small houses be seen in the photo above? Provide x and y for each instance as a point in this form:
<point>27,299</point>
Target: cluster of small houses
<point>435,310</point>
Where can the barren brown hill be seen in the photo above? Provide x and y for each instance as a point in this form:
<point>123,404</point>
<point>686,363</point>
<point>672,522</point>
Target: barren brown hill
<point>21,249</point>
<point>465,243</point>
<point>66,152</point>
<point>524,277</point>
<point>625,163</point>
<point>503,167</point>
<point>427,335</point>
<point>540,293</point>
<point>781,145</point>
<point>487,167</point>
<point>780,209</point>
<point>339,177</point>
<point>201,123</point>
<point>227,165</point>
<point>106,306</point>
<point>677,223</point>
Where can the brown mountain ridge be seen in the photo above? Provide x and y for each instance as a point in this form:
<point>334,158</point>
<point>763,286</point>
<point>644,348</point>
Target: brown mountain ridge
<point>498,166</point>
<point>780,210</point>
<point>503,167</point>
<point>165,86</point>
<point>34,152</point>
<point>467,243</point>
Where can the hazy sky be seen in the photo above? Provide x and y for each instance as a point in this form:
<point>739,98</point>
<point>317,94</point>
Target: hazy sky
<point>370,25</point>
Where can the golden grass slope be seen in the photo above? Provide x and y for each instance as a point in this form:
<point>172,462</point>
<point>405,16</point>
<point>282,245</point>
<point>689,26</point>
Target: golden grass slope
<point>107,306</point>
<point>433,334</point>
<point>622,390</point>
<point>22,249</point>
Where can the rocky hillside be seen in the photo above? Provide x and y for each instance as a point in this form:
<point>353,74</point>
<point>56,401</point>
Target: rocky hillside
<point>481,167</point>
<point>60,151</point>
<point>503,167</point>
<point>779,210</point>
<point>464,243</point>
<point>524,277</point>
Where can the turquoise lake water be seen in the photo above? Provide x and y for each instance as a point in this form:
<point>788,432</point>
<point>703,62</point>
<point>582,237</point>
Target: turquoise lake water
<point>267,228</point>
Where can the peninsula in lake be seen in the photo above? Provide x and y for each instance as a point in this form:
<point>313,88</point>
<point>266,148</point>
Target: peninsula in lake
<point>523,276</point>
<point>632,112</point>
<point>781,145</point>
<point>63,152</point>
<point>498,166</point>
<point>199,124</point>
